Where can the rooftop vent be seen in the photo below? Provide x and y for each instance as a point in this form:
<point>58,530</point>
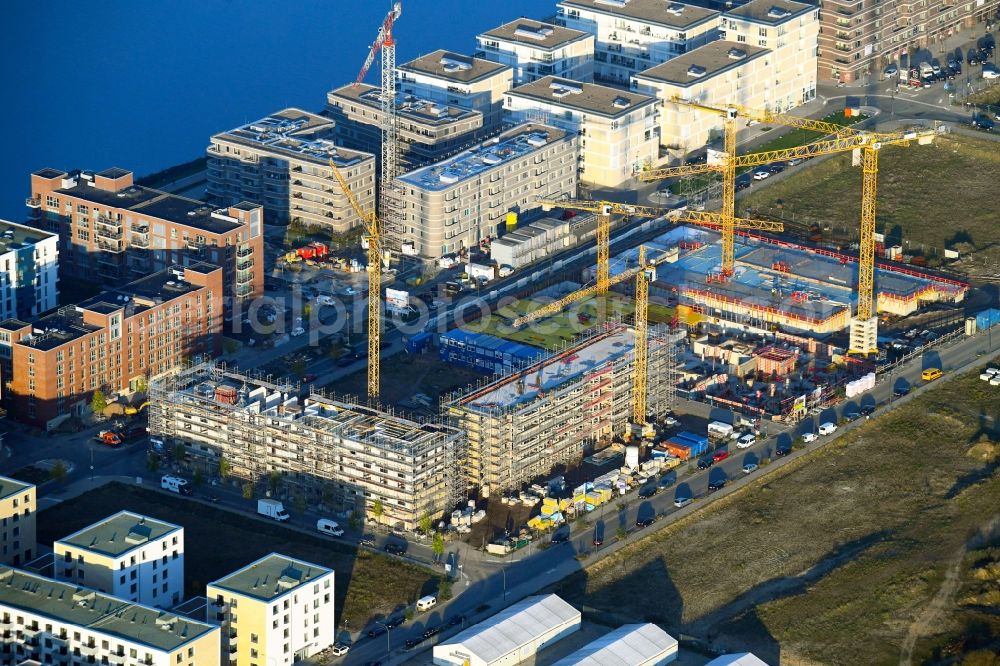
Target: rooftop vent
<point>696,71</point>
<point>676,8</point>
<point>562,88</point>
<point>778,13</point>
<point>622,102</point>
<point>531,32</point>
<point>452,64</point>
<point>736,54</point>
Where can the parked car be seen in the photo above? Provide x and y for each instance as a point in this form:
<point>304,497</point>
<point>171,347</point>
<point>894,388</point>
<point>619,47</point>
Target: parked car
<point>782,451</point>
<point>395,548</point>
<point>340,649</point>
<point>867,410</point>
<point>648,490</point>
<point>777,167</point>
<point>367,540</point>
<point>718,484</point>
<point>852,415</point>
<point>746,441</point>
<point>376,631</point>
<point>891,70</point>
<point>719,456</point>
<point>991,72</point>
<point>901,390</point>
<point>749,468</point>
<point>828,428</point>
<point>808,437</point>
<point>681,501</point>
<point>761,174</point>
<point>643,522</point>
<point>972,57</point>
<point>705,463</point>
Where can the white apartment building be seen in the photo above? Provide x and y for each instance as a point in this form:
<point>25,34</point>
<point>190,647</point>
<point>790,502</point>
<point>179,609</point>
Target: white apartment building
<point>458,80</point>
<point>619,132</point>
<point>29,262</point>
<point>127,555</point>
<point>273,612</point>
<point>17,521</point>
<point>534,49</point>
<point>282,162</point>
<point>60,624</point>
<point>790,30</point>
<point>716,74</point>
<point>633,35</point>
<point>458,202</point>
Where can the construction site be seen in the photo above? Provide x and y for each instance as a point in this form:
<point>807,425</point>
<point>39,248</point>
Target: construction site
<point>553,412</point>
<point>322,449</point>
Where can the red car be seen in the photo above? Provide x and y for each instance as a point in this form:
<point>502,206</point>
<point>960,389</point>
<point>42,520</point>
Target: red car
<point>719,456</point>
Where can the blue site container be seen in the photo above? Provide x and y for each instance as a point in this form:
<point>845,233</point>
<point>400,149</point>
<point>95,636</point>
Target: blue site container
<point>486,353</point>
<point>987,319</point>
<point>698,443</point>
<point>419,342</point>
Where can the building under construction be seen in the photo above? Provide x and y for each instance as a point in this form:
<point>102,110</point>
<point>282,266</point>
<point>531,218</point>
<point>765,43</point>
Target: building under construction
<point>522,424</point>
<point>325,450</point>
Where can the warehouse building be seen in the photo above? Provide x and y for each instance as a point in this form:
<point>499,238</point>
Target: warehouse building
<point>50,622</point>
<point>282,161</point>
<point>512,636</point>
<point>630,645</point>
<point>534,49</point>
<point>127,555</point>
<point>521,425</point>
<point>325,450</point>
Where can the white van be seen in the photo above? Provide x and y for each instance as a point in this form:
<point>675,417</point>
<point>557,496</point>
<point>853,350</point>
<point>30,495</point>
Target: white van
<point>175,484</point>
<point>329,527</point>
<point>426,603</point>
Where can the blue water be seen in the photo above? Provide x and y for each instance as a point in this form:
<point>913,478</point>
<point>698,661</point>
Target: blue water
<point>143,85</point>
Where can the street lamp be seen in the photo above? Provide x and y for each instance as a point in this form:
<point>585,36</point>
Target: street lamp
<point>504,570</point>
<point>388,646</point>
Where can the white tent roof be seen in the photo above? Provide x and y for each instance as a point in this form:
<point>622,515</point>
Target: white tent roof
<point>625,646</point>
<point>739,659</point>
<point>514,627</point>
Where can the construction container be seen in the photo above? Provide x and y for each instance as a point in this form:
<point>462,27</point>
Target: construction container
<point>678,449</point>
<point>225,394</point>
<point>697,443</point>
<point>987,319</point>
<point>486,353</point>
<point>419,342</point>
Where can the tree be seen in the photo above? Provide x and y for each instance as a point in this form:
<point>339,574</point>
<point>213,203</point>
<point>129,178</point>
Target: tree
<point>274,481</point>
<point>444,590</point>
<point>352,521</point>
<point>299,503</point>
<point>179,452</point>
<point>58,471</point>
<point>306,311</point>
<point>152,462</point>
<point>438,546</point>
<point>425,523</point>
<point>622,533</point>
<point>247,490</point>
<point>224,468</point>
<point>98,403</point>
<point>199,477</point>
<point>378,510</point>
<point>141,385</point>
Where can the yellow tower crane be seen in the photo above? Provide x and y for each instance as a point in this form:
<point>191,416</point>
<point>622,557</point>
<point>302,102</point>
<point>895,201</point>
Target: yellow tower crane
<point>605,209</point>
<point>646,274</point>
<point>727,166</point>
<point>864,325</point>
<point>374,237</point>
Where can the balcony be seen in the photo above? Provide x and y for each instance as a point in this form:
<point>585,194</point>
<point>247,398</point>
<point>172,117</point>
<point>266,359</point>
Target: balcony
<point>33,203</point>
<point>244,265</point>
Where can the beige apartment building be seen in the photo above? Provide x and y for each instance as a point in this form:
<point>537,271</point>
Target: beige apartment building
<point>858,39</point>
<point>460,201</point>
<point>344,455</point>
<point>127,555</point>
<point>716,74</point>
<point>44,621</point>
<point>428,131</point>
<point>273,612</point>
<point>17,521</point>
<point>458,80</point>
<point>112,231</point>
<point>633,35</point>
<point>282,161</point>
<point>790,31</point>
<point>619,130</point>
<point>534,49</point>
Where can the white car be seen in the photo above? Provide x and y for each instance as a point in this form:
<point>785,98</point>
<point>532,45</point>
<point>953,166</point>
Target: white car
<point>297,331</point>
<point>746,441</point>
<point>339,650</point>
<point>323,299</point>
<point>828,428</point>
<point>761,175</point>
<point>809,437</point>
<point>670,421</point>
<point>991,74</point>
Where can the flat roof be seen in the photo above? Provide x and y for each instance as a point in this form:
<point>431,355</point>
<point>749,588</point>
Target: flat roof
<point>408,106</point>
<point>552,372</point>
<point>543,36</point>
<point>99,612</point>
<point>627,645</point>
<point>491,154</point>
<point>737,659</point>
<point>513,628</point>
<point>659,12</point>
<point>588,97</point>
<point>118,534</point>
<point>9,486</point>
<point>296,134</point>
<point>771,12</point>
<point>703,63</point>
<point>154,203</point>
<point>453,66</point>
<point>271,576</point>
<point>13,324</point>
<point>15,236</point>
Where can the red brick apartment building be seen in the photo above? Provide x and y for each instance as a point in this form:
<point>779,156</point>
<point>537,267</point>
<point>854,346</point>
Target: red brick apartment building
<point>859,37</point>
<point>52,366</point>
<point>113,231</point>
